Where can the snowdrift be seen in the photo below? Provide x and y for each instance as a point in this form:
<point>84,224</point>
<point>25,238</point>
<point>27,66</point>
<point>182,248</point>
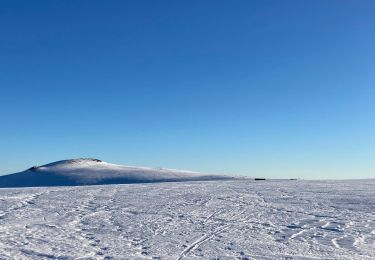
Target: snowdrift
<point>78,172</point>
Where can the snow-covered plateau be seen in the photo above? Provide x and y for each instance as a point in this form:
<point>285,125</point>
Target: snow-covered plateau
<point>218,219</point>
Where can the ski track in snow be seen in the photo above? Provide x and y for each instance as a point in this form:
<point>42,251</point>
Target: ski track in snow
<point>191,220</point>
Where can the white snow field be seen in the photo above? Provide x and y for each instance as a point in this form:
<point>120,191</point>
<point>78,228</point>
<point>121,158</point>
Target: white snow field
<point>231,219</point>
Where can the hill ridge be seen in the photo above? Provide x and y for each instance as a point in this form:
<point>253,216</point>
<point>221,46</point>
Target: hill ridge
<point>92,171</point>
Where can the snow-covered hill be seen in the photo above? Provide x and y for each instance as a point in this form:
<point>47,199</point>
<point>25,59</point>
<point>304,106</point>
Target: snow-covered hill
<point>89,171</point>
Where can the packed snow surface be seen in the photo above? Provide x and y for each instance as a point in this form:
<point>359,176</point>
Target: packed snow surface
<point>89,171</point>
<point>191,220</point>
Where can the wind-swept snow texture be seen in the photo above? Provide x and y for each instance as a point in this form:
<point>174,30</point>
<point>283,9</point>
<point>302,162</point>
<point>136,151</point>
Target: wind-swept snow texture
<point>191,220</point>
<point>95,172</point>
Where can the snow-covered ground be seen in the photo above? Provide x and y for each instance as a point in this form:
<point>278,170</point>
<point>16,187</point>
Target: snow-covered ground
<point>240,219</point>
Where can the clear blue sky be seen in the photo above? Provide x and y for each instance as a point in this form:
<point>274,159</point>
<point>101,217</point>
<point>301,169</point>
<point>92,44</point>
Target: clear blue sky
<point>260,88</point>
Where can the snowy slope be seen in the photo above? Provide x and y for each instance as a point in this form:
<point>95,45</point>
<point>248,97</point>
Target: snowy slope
<point>93,172</point>
<point>191,220</point>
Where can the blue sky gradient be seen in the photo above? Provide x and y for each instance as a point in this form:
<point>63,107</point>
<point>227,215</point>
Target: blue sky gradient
<point>262,88</point>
